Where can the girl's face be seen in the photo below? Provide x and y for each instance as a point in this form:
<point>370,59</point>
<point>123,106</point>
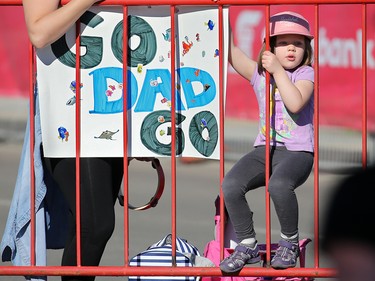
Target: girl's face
<point>290,49</point>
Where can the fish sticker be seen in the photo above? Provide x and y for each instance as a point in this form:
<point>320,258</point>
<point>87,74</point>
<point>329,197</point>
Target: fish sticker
<point>107,135</point>
<point>203,123</point>
<point>73,87</point>
<point>210,25</point>
<point>63,134</point>
<point>186,46</point>
<point>139,68</point>
<point>71,101</point>
<point>167,35</point>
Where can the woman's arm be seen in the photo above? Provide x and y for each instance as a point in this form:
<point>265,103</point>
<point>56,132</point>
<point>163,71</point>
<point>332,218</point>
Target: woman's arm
<point>239,60</point>
<point>47,21</point>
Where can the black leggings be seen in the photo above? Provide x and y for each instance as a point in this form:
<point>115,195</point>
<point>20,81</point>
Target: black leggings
<point>101,180</point>
<point>289,169</point>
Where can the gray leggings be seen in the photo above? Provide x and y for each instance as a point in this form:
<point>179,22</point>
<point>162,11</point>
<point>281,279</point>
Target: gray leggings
<point>289,169</point>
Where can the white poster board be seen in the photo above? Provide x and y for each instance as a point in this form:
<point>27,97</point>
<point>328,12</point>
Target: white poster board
<point>148,84</point>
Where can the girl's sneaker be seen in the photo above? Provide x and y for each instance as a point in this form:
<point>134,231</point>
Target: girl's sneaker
<point>286,255</point>
<point>242,255</point>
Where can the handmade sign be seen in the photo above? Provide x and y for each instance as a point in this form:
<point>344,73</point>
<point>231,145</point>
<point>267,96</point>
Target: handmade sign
<point>148,85</point>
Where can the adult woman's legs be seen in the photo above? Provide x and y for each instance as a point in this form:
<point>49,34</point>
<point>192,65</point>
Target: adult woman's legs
<point>100,183</point>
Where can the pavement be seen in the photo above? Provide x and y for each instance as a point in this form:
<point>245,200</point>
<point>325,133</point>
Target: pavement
<point>197,183</point>
<point>339,148</point>
<point>13,118</point>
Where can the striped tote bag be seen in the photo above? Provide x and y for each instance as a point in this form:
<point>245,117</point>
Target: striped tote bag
<point>160,254</point>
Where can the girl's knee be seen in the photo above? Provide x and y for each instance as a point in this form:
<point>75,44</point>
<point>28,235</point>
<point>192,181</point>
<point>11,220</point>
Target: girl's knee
<point>228,184</point>
<point>231,189</point>
<point>281,186</point>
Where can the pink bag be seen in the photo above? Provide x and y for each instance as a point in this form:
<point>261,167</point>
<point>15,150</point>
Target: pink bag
<point>212,248</point>
<point>212,252</point>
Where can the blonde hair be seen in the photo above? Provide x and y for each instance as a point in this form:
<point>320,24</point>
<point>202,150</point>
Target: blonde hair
<point>307,56</point>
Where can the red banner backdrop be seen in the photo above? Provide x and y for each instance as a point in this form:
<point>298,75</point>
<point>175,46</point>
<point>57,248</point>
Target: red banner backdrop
<point>340,59</point>
<point>13,52</point>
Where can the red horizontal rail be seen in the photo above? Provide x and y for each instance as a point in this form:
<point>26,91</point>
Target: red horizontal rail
<point>211,2</point>
<point>177,271</point>
<point>161,271</point>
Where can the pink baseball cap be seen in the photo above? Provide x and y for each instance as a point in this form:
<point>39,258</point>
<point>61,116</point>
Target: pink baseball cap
<point>289,23</point>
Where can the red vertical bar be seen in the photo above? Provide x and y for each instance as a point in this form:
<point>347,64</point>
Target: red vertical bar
<point>78,141</point>
<point>267,173</point>
<point>364,85</point>
<point>173,131</point>
<point>316,138</point>
<point>221,135</point>
<point>125,134</point>
<point>32,137</point>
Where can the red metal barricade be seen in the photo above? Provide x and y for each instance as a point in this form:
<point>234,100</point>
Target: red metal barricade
<point>125,270</point>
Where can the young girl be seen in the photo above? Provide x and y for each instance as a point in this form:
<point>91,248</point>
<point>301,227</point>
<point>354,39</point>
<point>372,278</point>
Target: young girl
<point>291,139</point>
